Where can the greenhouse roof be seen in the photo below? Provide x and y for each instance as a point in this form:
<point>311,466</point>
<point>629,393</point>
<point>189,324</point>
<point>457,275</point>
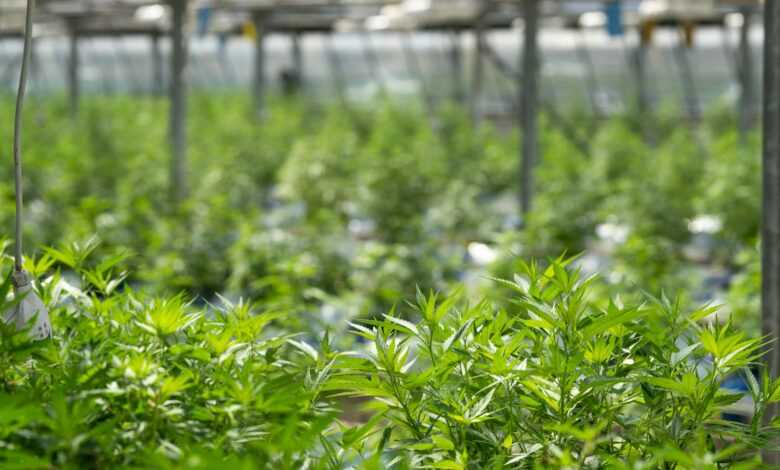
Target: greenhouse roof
<point>122,17</point>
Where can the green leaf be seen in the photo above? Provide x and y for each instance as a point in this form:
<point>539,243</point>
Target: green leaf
<point>608,321</point>
<point>448,464</point>
<point>403,325</point>
<point>684,388</point>
<point>305,348</point>
<point>456,335</point>
<point>443,442</point>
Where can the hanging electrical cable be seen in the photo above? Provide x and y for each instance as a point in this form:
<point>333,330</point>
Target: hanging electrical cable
<point>28,311</point>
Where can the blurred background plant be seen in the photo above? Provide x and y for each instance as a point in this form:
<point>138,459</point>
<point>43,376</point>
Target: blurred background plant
<point>375,201</point>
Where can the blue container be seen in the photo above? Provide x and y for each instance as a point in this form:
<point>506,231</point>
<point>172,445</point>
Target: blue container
<point>614,11</point>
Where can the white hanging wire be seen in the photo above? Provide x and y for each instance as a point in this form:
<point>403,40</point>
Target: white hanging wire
<point>29,310</point>
<point>18,135</point>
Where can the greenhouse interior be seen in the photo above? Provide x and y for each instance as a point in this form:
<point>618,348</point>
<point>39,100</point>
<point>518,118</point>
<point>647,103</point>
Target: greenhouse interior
<point>390,234</point>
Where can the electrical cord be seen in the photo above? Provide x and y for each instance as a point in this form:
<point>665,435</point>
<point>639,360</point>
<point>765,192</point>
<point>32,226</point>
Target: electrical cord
<point>18,135</point>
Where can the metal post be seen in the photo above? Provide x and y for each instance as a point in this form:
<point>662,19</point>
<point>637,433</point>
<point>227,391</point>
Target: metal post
<point>770,230</point>
<point>158,79</point>
<point>644,98</point>
<point>456,61</point>
<point>178,105</point>
<point>258,80</point>
<point>297,55</point>
<point>529,104</point>
<point>478,72</point>
<point>73,67</point>
<point>746,75</point>
<point>644,101</point>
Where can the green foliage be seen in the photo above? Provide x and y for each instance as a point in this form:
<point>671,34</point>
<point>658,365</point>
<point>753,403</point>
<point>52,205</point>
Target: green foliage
<point>113,163</point>
<point>243,231</point>
<point>321,216</point>
<point>404,170</point>
<point>137,381</point>
<point>318,205</point>
<point>732,188</point>
<point>565,209</point>
<point>321,169</point>
<point>554,381</point>
<point>744,294</point>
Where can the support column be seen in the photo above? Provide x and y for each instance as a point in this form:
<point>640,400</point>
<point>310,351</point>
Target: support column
<point>297,55</point>
<point>73,67</point>
<point>770,231</point>
<point>178,102</point>
<point>644,98</point>
<point>640,62</point>
<point>747,81</point>
<point>158,78</point>
<point>258,79</point>
<point>477,79</point>
<point>529,104</point>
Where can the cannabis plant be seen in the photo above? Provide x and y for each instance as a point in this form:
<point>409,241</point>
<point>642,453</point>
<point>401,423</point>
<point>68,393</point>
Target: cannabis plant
<point>137,381</point>
<point>553,381</point>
